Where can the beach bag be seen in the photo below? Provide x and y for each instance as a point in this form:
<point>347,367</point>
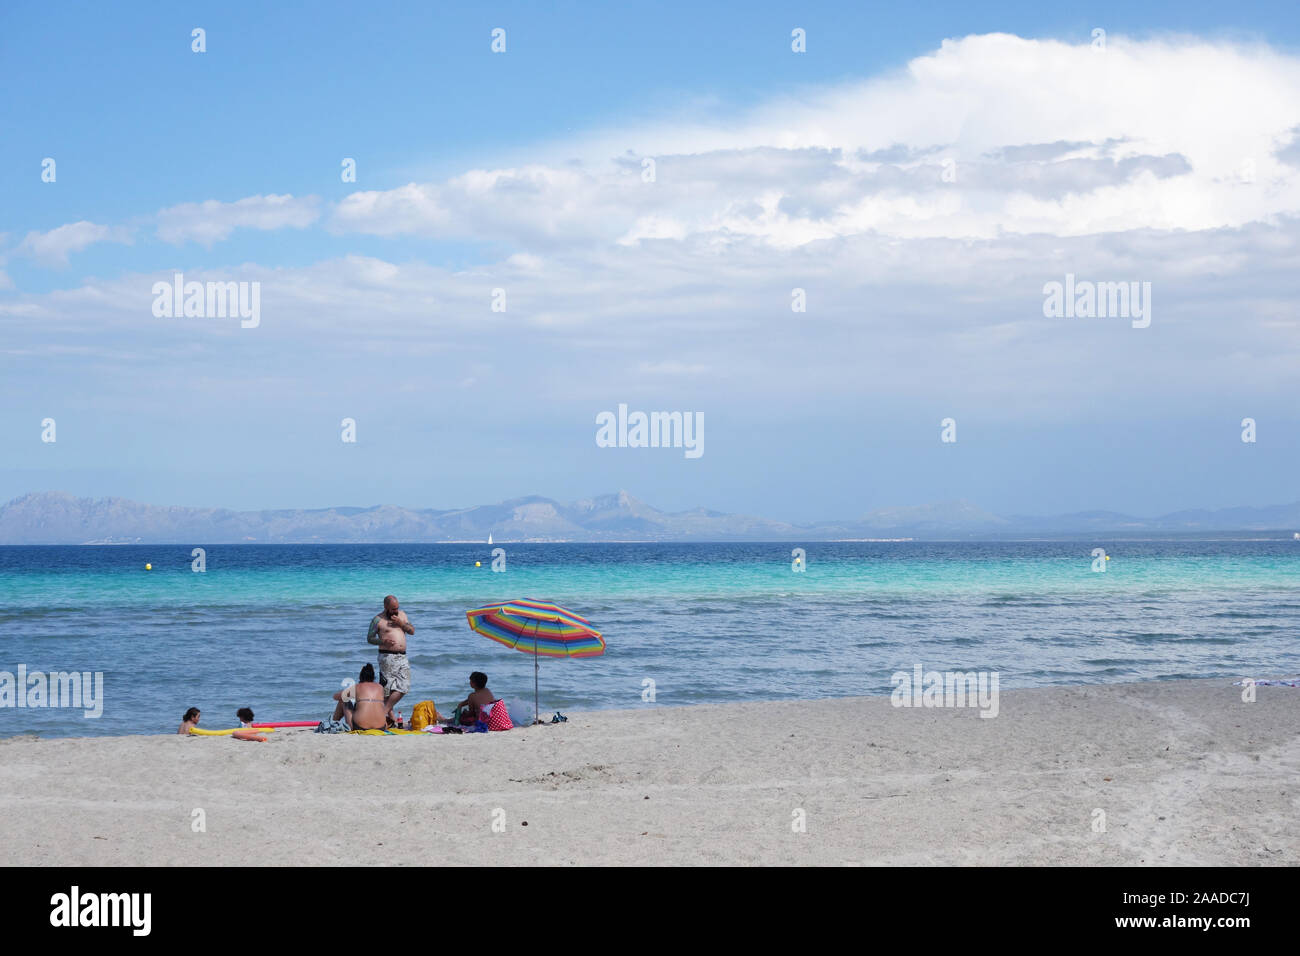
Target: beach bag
<point>498,717</point>
<point>424,715</point>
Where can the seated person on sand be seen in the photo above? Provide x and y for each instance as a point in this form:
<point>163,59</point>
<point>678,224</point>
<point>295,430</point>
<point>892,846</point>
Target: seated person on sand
<point>468,710</point>
<point>245,716</point>
<point>361,706</point>
<point>191,719</point>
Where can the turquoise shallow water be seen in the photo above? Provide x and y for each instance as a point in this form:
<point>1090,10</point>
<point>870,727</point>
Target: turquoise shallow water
<point>277,627</point>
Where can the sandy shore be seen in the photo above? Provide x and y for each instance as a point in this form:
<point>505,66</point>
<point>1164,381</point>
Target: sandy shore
<point>1185,773</point>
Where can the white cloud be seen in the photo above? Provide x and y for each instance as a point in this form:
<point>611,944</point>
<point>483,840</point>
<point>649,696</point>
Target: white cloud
<point>537,205</point>
<point>887,322</point>
<point>1115,166</point>
<point>1043,137</point>
<point>54,247</point>
<point>211,221</point>
<point>985,136</point>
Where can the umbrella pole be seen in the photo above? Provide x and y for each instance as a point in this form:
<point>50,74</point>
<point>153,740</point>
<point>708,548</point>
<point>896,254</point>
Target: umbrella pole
<point>537,667</point>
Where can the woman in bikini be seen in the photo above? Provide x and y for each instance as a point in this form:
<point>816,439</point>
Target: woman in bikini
<point>361,705</point>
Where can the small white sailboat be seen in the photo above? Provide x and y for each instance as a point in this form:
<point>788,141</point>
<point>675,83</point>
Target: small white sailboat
<point>490,537</point>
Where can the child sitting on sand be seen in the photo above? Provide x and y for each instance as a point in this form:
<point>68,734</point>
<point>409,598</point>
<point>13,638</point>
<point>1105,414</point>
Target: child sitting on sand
<point>191,719</point>
<point>245,715</point>
<point>468,710</point>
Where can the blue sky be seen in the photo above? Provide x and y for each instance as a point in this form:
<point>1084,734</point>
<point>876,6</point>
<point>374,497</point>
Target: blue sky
<point>776,171</point>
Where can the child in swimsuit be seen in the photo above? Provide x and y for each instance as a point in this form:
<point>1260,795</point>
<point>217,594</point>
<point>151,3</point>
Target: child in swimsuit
<point>191,719</point>
<point>472,706</point>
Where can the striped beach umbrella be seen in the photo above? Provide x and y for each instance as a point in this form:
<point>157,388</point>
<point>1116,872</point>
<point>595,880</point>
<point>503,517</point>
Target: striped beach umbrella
<point>537,628</point>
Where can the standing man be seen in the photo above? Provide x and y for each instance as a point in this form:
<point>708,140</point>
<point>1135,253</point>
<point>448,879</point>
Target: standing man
<point>388,629</point>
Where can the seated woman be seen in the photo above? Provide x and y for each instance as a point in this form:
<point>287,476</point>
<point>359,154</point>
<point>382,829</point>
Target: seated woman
<point>468,710</point>
<point>361,706</point>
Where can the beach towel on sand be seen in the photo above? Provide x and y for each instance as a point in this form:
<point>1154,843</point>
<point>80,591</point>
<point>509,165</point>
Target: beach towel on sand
<point>332,727</point>
<point>395,732</point>
<point>424,715</point>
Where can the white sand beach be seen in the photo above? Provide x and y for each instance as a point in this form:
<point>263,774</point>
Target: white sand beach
<point>1184,771</point>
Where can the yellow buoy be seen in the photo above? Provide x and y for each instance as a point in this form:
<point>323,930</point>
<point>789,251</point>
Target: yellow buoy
<point>148,567</point>
<point>1108,557</point>
<point>478,564</point>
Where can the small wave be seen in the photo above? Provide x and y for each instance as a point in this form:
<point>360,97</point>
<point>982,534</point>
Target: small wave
<point>1018,601</point>
<point>1162,637</point>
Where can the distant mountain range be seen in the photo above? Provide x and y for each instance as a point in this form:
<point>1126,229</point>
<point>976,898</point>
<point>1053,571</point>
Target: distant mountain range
<point>59,518</point>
